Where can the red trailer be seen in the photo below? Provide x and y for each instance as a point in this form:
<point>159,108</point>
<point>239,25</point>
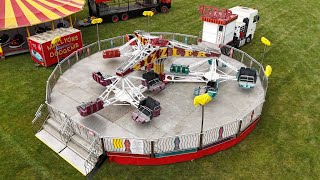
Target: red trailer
<point>115,10</point>
<point>44,53</point>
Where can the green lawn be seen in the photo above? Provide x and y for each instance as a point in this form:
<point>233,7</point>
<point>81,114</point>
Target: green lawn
<point>285,143</point>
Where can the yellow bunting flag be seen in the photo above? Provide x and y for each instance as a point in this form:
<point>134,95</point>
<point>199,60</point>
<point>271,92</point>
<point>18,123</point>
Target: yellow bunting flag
<point>55,40</point>
<point>1,53</point>
<point>268,70</point>
<point>202,99</point>
<point>148,13</point>
<point>96,21</point>
<point>265,41</point>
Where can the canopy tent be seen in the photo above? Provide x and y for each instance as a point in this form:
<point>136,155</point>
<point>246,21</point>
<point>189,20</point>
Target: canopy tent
<point>23,13</point>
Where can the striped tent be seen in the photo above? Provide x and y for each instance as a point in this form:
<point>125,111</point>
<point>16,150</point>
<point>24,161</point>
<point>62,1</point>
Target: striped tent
<point>21,13</point>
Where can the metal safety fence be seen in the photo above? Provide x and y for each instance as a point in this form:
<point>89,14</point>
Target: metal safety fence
<point>40,118</point>
<point>81,130</point>
<point>251,116</point>
<point>247,60</point>
<point>184,38</point>
<point>112,42</point>
<point>177,143</point>
<point>220,133</point>
<point>162,146</point>
<point>127,145</point>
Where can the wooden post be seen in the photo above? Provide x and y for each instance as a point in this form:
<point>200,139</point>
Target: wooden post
<point>152,149</point>
<point>28,32</point>
<point>70,19</point>
<point>52,25</point>
<point>239,130</point>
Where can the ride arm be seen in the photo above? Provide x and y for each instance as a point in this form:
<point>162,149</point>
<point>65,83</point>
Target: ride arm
<point>228,65</point>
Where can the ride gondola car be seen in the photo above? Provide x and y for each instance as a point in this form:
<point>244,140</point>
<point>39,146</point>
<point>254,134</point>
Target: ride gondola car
<point>147,109</point>
<point>101,79</point>
<point>247,77</point>
<point>152,81</point>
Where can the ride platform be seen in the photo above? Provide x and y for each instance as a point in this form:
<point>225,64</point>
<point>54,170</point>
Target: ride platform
<point>178,115</point>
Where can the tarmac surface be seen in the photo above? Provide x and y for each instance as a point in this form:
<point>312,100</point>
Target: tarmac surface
<point>178,114</point>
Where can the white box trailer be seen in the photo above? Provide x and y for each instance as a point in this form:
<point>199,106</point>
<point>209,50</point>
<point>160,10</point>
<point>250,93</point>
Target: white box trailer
<point>235,26</point>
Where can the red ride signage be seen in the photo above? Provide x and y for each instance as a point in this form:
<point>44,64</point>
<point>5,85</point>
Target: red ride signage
<point>44,53</point>
<point>214,12</point>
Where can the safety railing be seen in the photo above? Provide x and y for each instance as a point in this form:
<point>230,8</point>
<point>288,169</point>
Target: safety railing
<point>95,151</point>
<point>184,38</point>
<point>251,116</point>
<point>40,118</point>
<point>168,146</point>
<point>127,145</point>
<point>81,130</point>
<point>220,133</point>
<point>162,146</point>
<point>176,143</point>
<point>112,42</point>
<point>247,60</point>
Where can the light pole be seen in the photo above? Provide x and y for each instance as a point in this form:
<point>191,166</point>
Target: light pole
<point>266,43</point>
<point>97,21</point>
<point>149,14</point>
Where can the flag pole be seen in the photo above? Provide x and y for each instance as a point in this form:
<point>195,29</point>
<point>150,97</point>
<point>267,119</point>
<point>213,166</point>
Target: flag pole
<point>201,131</point>
<point>266,43</point>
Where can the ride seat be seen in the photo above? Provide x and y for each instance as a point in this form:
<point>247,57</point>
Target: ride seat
<point>152,81</point>
<point>99,78</point>
<point>91,107</point>
<point>147,109</point>
<point>247,77</point>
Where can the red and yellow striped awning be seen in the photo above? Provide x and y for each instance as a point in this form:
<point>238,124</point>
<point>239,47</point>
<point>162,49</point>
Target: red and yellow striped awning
<point>21,13</point>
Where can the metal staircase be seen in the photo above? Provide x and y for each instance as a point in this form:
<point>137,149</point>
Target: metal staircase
<point>95,151</point>
<point>58,132</point>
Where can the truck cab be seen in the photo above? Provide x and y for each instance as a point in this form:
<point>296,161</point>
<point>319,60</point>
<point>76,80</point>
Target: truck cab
<point>245,24</point>
<point>235,26</point>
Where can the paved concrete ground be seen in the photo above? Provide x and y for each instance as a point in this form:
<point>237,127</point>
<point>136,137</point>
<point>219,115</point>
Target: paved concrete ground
<point>178,115</point>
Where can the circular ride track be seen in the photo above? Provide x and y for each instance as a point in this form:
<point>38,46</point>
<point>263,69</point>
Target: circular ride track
<point>177,130</point>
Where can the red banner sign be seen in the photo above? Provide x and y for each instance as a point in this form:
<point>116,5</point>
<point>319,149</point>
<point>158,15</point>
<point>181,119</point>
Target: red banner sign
<point>214,12</point>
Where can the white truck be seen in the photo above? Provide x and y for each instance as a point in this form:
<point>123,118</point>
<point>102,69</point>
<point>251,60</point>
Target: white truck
<point>235,26</point>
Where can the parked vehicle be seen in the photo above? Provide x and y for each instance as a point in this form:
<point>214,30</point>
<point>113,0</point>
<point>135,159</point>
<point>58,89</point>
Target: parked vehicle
<point>235,26</point>
<point>116,10</point>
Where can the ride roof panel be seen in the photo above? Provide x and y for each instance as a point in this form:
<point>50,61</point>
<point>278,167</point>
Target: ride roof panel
<point>21,13</point>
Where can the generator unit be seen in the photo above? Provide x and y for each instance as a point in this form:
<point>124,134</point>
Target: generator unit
<point>235,26</point>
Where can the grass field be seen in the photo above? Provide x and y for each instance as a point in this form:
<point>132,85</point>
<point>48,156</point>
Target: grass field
<point>284,145</point>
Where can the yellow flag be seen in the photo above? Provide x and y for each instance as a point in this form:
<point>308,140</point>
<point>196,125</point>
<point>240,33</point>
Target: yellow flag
<point>265,41</point>
<point>268,70</point>
<point>202,99</point>
<point>55,40</point>
<point>1,53</point>
<point>148,13</point>
<point>97,21</point>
